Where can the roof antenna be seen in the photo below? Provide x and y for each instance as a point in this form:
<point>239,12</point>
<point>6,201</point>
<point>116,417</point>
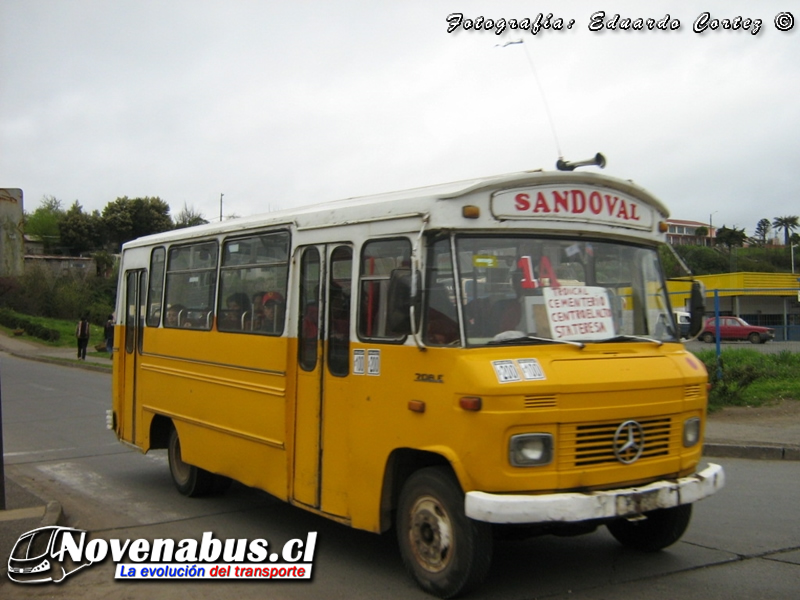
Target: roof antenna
<point>541,92</point>
<point>598,160</point>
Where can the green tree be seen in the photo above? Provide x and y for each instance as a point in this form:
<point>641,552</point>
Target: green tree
<point>762,232</point>
<point>80,232</point>
<point>126,218</point>
<point>788,224</point>
<point>730,237</point>
<point>702,260</point>
<point>44,221</point>
<point>189,217</point>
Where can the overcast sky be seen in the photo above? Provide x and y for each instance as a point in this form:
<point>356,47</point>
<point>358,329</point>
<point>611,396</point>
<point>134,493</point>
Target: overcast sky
<point>280,104</point>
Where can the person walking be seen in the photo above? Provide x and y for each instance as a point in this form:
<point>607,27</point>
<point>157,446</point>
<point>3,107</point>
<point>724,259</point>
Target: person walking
<point>108,333</point>
<point>82,332</point>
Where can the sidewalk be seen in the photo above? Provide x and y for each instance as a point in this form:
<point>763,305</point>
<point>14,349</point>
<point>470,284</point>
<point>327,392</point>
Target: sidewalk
<point>771,433</point>
<point>26,348</point>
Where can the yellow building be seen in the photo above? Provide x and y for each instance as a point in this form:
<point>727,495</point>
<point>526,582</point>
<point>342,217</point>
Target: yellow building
<point>767,299</point>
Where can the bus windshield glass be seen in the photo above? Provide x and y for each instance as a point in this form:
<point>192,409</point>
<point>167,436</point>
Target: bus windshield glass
<point>525,289</point>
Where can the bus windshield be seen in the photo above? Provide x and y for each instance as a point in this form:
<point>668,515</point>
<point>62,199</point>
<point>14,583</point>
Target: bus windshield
<point>526,289</point>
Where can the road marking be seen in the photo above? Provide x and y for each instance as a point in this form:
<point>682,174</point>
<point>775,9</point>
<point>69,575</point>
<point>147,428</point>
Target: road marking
<point>93,484</point>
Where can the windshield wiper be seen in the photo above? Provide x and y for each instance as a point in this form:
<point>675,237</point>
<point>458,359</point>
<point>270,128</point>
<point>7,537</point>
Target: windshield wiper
<point>631,338</point>
<point>511,337</point>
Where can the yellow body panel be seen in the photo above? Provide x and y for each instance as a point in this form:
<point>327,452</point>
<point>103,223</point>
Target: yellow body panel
<point>232,398</point>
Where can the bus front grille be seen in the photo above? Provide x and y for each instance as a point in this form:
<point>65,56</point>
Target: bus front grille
<point>593,443</point>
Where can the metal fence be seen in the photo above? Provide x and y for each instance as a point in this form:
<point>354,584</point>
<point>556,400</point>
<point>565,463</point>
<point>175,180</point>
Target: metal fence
<point>776,308</point>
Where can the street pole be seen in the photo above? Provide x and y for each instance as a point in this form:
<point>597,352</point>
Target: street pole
<point>2,462</point>
<point>711,228</point>
<point>220,207</point>
<point>793,246</point>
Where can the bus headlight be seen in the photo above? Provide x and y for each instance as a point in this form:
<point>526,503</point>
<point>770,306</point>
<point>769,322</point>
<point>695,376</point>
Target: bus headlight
<point>691,432</point>
<point>530,449</point>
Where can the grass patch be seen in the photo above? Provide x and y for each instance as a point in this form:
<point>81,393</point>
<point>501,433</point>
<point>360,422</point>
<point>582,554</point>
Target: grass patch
<point>64,327</point>
<point>750,378</point>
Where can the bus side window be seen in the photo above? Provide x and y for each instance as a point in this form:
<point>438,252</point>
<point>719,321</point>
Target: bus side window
<point>154,294</point>
<point>191,282</point>
<point>380,316</point>
<point>339,311</point>
<point>308,332</point>
<point>441,317</point>
<point>253,280</point>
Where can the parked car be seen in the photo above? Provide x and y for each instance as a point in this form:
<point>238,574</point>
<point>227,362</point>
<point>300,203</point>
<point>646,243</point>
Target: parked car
<point>734,328</point>
<point>683,319</point>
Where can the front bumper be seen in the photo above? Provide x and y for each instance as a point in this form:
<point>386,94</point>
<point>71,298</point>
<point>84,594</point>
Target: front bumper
<point>572,507</point>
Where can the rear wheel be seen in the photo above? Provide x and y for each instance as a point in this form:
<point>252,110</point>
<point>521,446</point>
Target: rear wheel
<point>708,338</point>
<point>446,552</point>
<point>190,480</point>
<point>660,528</point>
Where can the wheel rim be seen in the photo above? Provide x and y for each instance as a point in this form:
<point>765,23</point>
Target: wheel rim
<point>180,470</point>
<point>431,534</point>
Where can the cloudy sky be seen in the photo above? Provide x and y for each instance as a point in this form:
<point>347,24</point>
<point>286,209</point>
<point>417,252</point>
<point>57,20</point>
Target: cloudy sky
<point>280,104</point>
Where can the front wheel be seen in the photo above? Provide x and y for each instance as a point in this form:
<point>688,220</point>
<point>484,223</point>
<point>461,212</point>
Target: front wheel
<point>754,338</point>
<point>446,552</point>
<point>659,529</point>
<point>190,480</point>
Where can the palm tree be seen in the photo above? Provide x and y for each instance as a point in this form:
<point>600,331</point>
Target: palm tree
<point>788,224</point>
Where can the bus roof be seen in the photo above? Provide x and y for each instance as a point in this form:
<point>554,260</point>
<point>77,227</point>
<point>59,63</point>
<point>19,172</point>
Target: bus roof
<point>404,203</point>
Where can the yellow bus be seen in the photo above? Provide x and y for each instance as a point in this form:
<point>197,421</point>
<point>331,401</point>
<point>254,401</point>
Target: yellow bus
<point>449,362</point>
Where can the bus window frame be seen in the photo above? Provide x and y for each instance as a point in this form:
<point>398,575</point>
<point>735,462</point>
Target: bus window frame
<point>222,293</point>
<point>395,338</point>
<point>205,321</point>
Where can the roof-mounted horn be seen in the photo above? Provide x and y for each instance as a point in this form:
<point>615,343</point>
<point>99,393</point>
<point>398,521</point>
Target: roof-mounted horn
<point>597,161</point>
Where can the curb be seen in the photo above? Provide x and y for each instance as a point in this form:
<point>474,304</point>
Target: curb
<point>752,451</point>
<point>52,513</point>
<point>57,361</point>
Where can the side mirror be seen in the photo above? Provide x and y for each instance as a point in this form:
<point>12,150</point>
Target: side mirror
<point>400,302</point>
<point>697,308</point>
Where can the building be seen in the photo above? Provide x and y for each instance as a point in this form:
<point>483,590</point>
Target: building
<point>11,243</point>
<point>766,299</point>
<point>682,232</point>
<point>62,265</point>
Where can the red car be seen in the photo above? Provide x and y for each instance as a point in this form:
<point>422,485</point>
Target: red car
<point>734,328</point>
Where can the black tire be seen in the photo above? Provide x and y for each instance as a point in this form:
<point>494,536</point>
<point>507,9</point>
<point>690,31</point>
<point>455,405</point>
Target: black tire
<point>754,338</point>
<point>190,480</point>
<point>660,529</point>
<point>708,338</point>
<point>447,553</point>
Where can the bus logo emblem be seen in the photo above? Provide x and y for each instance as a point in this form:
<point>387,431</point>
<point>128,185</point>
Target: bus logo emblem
<point>629,442</point>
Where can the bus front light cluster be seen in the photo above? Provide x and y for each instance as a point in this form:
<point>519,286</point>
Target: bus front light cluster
<point>531,449</point>
<point>691,432</point>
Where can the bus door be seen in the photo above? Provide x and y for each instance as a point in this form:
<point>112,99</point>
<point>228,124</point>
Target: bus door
<point>135,299</point>
<point>323,369</point>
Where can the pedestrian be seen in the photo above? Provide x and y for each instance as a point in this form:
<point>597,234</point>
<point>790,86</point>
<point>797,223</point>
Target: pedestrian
<point>82,332</point>
<point>108,333</point>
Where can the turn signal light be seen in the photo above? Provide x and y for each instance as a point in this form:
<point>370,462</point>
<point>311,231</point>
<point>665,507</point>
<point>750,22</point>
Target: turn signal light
<point>470,211</point>
<point>470,403</point>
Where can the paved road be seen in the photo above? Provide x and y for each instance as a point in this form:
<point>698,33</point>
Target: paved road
<point>744,542</point>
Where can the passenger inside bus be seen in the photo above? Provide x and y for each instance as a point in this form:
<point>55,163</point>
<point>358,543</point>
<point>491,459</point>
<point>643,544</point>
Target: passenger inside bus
<point>442,321</point>
<point>232,317</point>
<point>174,316</point>
<point>257,316</point>
<point>273,308</point>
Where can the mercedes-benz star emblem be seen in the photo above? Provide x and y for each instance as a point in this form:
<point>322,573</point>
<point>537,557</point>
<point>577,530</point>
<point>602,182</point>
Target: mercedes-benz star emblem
<point>628,442</point>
